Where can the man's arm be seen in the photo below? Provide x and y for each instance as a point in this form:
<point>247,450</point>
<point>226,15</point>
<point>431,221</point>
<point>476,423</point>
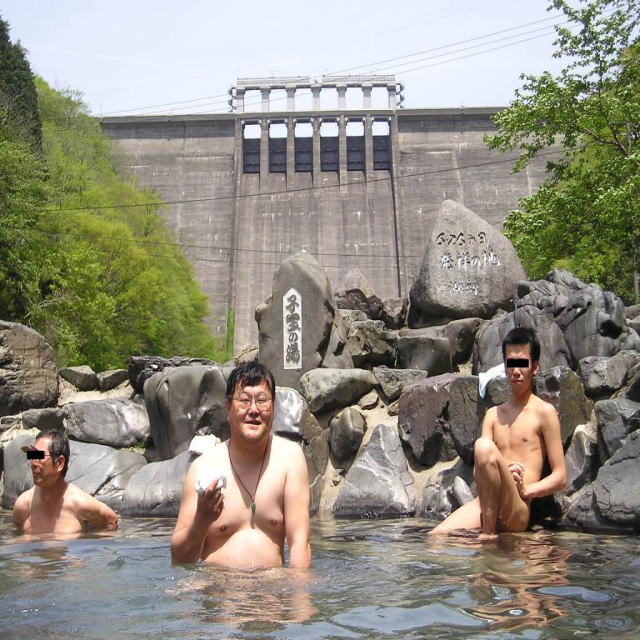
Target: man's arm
<point>21,510</point>
<point>195,516</point>
<point>95,513</point>
<point>556,480</point>
<point>296,510</point>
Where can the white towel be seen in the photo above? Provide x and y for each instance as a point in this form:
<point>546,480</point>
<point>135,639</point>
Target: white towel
<point>206,477</point>
<point>492,374</point>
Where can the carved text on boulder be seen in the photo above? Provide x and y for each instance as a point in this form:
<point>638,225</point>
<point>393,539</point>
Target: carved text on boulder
<point>292,330</point>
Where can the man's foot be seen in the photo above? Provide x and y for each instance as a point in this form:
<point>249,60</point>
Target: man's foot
<point>488,537</point>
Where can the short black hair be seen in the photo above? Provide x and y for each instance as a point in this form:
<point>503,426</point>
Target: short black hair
<point>250,374</point>
<point>59,446</point>
<point>522,335</point>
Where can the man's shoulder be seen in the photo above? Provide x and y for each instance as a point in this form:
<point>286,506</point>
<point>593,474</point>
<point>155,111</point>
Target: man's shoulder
<point>544,407</point>
<point>77,495</point>
<point>23,501</point>
<point>285,446</point>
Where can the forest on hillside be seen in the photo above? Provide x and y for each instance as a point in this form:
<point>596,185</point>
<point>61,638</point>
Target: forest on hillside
<point>85,256</point>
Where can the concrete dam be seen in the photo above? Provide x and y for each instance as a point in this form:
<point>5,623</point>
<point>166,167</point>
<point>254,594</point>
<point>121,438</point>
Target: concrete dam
<point>352,184</point>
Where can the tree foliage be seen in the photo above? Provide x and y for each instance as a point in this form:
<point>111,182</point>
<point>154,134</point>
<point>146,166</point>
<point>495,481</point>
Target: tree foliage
<point>85,257</point>
<point>585,217</point>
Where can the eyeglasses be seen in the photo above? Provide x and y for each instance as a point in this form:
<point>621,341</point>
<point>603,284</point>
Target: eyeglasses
<point>244,402</point>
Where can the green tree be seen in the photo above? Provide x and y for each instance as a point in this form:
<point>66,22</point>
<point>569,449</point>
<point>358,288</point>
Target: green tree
<point>585,217</point>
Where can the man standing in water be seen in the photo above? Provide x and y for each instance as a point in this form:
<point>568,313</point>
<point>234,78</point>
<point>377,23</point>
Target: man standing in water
<point>54,505</point>
<point>516,438</point>
<point>266,498</point>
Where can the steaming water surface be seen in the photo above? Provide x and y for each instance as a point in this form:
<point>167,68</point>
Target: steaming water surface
<point>371,579</point>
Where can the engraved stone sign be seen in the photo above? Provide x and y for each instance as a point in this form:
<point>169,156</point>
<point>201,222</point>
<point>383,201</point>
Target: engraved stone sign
<point>292,330</point>
<point>468,269</point>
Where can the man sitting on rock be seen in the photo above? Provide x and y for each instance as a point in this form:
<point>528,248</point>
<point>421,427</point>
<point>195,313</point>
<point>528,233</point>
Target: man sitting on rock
<point>54,505</point>
<point>516,438</point>
<point>244,497</point>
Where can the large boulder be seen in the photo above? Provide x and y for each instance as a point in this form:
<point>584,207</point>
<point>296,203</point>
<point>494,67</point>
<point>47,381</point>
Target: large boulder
<point>28,372</point>
<point>99,470</point>
<point>111,379</point>
<point>487,350</point>
<point>468,268</point>
<point>392,381</point>
<point>346,431</point>
<point>369,344</point>
<point>42,419</point>
<point>326,389</point>
<point>422,419</point>
<point>424,349</point>
<point>592,320</point>
<point>141,368</point>
<point>394,312</point>
<point>116,422</point>
<point>156,489</point>
<point>562,388</point>
<point>581,459</point>
<point>378,484</point>
<point>288,413</point>
<point>185,401</point>
<point>299,326</point>
<point>461,335</point>
<point>463,412</point>
<point>83,378</point>
<point>446,489</point>
<point>601,376</point>
<point>356,293</point>
<point>315,445</point>
<point>617,418</point>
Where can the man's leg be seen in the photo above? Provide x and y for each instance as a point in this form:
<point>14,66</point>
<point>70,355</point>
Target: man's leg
<point>501,506</point>
<point>466,517</point>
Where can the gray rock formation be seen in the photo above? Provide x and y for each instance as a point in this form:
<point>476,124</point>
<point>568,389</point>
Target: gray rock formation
<point>422,421</point>
<point>156,489</point>
<point>461,335</point>
<point>392,381</point>
<point>369,344</point>
<point>316,452</point>
<point>111,379</point>
<point>27,370</point>
<point>42,419</point>
<point>288,413</point>
<point>394,312</point>
<point>617,418</point>
<point>580,460</point>
<point>83,378</point>
<point>487,350</point>
<point>464,425</point>
<point>299,326</point>
<point>592,320</point>
<point>141,368</point>
<point>468,269</point>
<point>601,376</point>
<point>562,388</point>
<point>346,431</point>
<point>115,422</point>
<point>183,401</point>
<point>424,349</point>
<point>356,293</point>
<point>378,484</point>
<point>326,389</point>
<point>446,490</point>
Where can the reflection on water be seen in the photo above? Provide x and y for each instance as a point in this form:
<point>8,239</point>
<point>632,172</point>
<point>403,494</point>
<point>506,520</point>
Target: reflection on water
<point>371,579</point>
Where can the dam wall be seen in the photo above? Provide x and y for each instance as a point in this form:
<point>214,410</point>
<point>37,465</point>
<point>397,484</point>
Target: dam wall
<point>239,205</point>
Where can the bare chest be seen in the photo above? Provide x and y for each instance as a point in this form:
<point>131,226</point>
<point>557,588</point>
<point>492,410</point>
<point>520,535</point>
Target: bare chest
<point>48,519</point>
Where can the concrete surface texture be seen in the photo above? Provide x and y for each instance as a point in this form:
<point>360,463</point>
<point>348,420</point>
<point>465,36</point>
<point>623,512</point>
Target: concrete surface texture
<point>236,227</point>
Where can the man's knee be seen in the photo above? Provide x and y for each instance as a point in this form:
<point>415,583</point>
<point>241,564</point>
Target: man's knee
<point>485,452</point>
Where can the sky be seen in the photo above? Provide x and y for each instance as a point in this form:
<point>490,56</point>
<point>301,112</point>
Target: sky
<point>141,57</point>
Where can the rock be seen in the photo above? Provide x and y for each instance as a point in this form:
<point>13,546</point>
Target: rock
<point>183,401</point>
<point>616,419</point>
<point>141,368</point>
<point>350,316</point>
<point>27,370</point>
<point>497,392</point>
<point>446,490</point>
<point>632,312</point>
<point>326,389</point>
<point>461,335</point>
<point>487,350</point>
<point>592,320</point>
<point>394,312</point>
<point>156,489</point>
<point>42,419</point>
<point>83,378</point>
<point>111,379</point>
<point>469,269</point>
<point>288,414</point>
<point>316,452</point>
<point>101,471</point>
<point>392,381</point>
<point>616,486</point>
<point>464,425</point>
<point>581,459</point>
<point>429,353</point>
<point>369,344</point>
<point>562,388</point>
<point>314,334</point>
<point>115,422</point>
<point>356,293</point>
<point>422,422</point>
<point>203,444</point>
<point>582,513</point>
<point>461,491</point>
<point>601,376</point>
<point>369,400</point>
<point>378,484</point>
<point>346,431</point>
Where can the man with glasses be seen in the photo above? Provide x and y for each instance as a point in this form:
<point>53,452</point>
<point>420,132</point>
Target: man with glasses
<point>53,505</point>
<point>516,438</point>
<point>241,500</point>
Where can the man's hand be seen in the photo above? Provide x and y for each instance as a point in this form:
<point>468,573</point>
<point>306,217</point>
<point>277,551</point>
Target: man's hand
<point>210,502</point>
<point>517,472</point>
